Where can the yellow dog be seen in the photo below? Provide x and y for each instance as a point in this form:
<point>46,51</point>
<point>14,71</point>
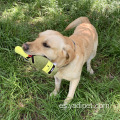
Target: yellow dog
<point>68,53</point>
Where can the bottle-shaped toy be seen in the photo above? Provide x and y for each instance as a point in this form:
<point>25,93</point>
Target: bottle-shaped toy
<point>39,62</point>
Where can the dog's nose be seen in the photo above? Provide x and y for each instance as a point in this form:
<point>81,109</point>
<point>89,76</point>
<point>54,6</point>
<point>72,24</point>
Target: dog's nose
<point>25,46</point>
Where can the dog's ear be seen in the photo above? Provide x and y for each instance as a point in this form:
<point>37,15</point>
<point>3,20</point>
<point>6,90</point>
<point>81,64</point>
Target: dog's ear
<point>69,53</point>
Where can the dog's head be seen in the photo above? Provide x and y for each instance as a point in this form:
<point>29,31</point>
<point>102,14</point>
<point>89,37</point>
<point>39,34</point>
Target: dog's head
<point>53,45</point>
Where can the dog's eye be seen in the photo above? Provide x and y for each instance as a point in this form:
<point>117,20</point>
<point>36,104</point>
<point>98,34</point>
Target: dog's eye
<point>46,45</point>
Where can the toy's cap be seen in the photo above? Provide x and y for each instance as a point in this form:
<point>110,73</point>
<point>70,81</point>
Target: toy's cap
<point>20,51</point>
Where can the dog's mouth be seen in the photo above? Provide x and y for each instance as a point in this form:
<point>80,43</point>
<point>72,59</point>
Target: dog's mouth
<point>39,55</point>
<point>32,57</point>
<point>45,56</point>
<point>31,53</point>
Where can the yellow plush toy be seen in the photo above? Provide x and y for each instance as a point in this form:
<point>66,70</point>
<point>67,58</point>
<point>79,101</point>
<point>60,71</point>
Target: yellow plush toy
<point>39,62</point>
<point>20,51</point>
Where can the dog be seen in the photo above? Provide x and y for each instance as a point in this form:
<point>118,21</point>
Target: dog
<point>68,53</point>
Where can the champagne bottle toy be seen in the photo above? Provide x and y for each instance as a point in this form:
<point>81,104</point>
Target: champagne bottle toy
<point>39,62</point>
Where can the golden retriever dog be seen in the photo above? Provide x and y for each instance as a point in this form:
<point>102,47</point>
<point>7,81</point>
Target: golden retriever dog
<point>68,53</point>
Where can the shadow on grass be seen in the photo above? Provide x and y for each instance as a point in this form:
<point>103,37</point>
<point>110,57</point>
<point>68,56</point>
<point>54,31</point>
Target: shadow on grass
<point>43,18</point>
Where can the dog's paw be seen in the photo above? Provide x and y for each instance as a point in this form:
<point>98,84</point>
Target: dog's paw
<point>67,101</point>
<point>54,93</point>
<point>91,71</point>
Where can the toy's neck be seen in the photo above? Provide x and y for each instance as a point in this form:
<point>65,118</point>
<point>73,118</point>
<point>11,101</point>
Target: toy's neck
<point>31,56</point>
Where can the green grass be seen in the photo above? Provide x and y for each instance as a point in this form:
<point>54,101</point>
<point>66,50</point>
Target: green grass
<point>24,92</point>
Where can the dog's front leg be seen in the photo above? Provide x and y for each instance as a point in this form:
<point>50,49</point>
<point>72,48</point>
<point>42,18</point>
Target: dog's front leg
<point>57,86</point>
<point>72,88</point>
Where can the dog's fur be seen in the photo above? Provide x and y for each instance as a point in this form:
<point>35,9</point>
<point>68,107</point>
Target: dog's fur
<point>69,53</point>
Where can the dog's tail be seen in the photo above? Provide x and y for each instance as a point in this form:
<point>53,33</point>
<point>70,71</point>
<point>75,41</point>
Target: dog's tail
<point>76,22</point>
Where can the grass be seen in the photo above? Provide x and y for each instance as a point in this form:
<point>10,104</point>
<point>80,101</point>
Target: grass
<point>24,92</point>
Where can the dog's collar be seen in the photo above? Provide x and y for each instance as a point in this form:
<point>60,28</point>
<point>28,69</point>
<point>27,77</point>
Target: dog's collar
<point>74,45</point>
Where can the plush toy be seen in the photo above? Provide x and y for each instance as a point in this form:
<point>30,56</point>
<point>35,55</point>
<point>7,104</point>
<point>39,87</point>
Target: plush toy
<point>39,62</point>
